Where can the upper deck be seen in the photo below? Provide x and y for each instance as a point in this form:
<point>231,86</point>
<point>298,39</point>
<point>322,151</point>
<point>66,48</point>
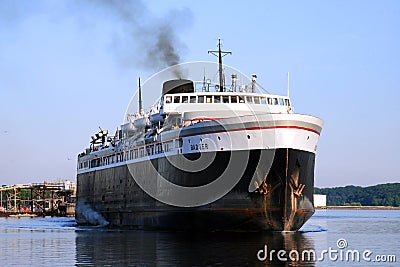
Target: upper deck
<point>218,101</point>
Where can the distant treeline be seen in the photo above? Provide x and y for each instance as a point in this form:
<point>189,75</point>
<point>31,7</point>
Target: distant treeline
<point>377,195</point>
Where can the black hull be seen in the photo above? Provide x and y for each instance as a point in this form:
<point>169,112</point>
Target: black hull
<point>283,202</point>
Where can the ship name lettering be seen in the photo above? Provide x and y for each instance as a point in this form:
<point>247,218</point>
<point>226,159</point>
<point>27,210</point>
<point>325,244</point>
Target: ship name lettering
<point>199,146</point>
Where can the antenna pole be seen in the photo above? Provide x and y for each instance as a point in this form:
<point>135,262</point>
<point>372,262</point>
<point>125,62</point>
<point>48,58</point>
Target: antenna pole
<point>140,98</point>
<point>220,55</point>
<point>220,65</point>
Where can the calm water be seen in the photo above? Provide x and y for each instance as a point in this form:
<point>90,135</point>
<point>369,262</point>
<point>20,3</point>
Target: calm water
<point>59,242</point>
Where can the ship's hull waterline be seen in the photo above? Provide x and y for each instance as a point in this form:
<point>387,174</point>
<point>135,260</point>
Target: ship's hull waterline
<point>283,202</point>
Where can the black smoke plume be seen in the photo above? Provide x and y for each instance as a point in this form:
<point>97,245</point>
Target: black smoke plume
<point>145,39</point>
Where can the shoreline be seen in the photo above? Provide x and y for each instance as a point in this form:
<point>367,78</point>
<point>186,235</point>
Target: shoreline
<point>357,208</point>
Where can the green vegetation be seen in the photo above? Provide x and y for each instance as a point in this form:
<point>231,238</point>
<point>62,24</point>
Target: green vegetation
<point>377,195</point>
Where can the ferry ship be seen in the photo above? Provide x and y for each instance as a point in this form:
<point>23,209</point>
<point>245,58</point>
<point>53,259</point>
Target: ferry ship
<point>209,155</point>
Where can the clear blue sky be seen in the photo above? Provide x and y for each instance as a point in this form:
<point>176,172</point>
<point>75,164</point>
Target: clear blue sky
<point>68,67</point>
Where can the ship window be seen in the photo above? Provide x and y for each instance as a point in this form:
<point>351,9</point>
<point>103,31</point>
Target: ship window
<point>275,101</point>
<point>225,99</point>
<point>256,100</point>
<point>233,99</point>
<point>269,101</point>
<point>200,99</point>
<point>141,152</point>
<point>208,99</point>
<point>217,99</point>
<point>95,163</point>
<point>193,99</point>
<point>168,100</point>
<point>168,146</point>
<point>178,142</point>
<point>177,99</point>
<point>136,153</point>
<point>287,102</point>
<point>263,100</point>
<point>184,99</point>
<point>249,99</point>
<point>241,99</point>
<point>281,102</point>
<point>159,149</point>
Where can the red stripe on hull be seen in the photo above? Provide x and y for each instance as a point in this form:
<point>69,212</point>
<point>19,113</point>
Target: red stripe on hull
<point>255,128</point>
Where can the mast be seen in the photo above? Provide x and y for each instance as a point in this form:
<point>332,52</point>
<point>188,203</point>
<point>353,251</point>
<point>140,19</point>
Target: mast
<point>140,98</point>
<point>220,55</point>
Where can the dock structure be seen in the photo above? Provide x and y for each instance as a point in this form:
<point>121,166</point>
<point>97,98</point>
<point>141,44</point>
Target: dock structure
<point>47,198</point>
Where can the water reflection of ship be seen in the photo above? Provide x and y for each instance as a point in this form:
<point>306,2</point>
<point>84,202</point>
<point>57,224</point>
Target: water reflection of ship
<point>143,248</point>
